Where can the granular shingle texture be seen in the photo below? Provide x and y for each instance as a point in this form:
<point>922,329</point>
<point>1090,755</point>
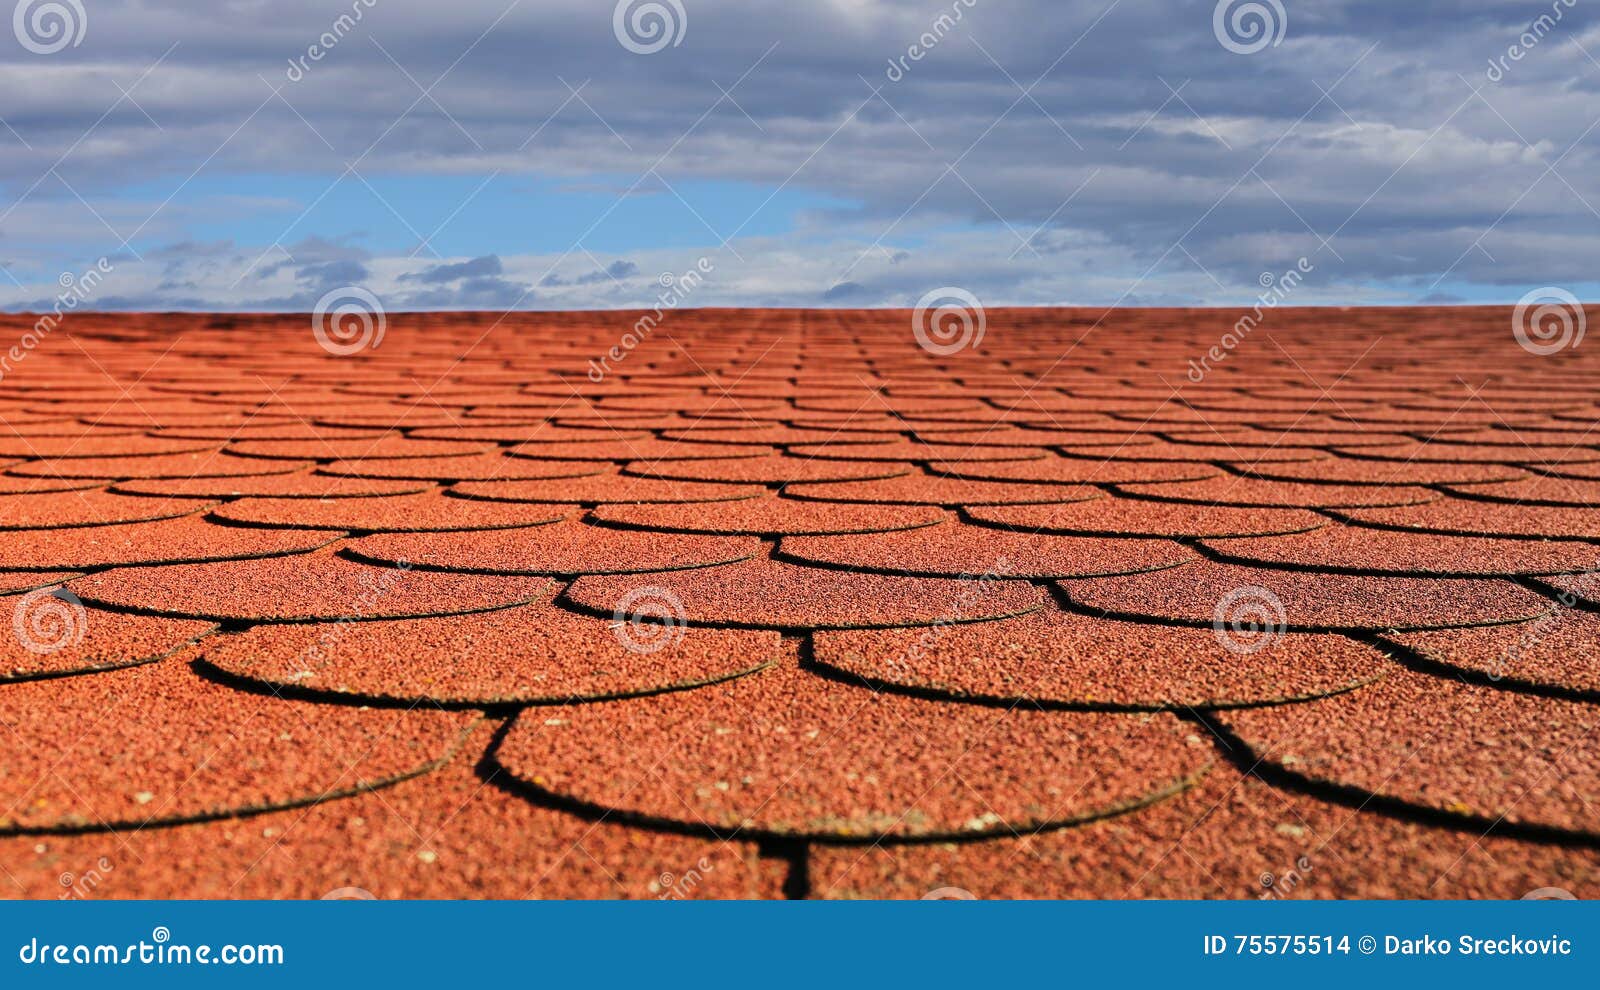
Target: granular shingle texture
<point>1197,593</point>
<point>307,588</point>
<point>1461,749</point>
<point>786,605</point>
<point>170,541</point>
<point>766,755</point>
<point>570,547</point>
<point>1560,650</point>
<point>100,755</point>
<point>423,512</point>
<point>1052,657</point>
<point>769,517</point>
<point>955,549</point>
<point>534,653</point>
<point>56,635</point>
<point>90,507</point>
<point>1142,517</point>
<point>766,594</point>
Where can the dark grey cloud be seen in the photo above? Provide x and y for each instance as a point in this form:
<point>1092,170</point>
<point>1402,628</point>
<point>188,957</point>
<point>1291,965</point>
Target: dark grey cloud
<point>615,271</point>
<point>473,293</point>
<point>453,272</point>
<point>331,274</point>
<point>845,292</point>
<point>612,273</point>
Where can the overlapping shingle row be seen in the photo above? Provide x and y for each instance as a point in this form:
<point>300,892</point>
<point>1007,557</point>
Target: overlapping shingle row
<point>782,603</point>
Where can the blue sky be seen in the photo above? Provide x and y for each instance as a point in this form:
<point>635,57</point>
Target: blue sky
<point>556,154</point>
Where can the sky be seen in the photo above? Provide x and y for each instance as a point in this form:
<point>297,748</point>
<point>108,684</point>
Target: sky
<point>584,154</point>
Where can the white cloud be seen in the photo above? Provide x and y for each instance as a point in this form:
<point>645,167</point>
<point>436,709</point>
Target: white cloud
<point>1389,153</point>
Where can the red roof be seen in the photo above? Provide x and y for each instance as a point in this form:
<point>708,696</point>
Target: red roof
<point>786,604</point>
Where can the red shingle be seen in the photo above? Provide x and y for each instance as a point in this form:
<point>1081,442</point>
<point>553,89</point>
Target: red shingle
<point>200,749</point>
<point>786,753</point>
<point>786,574</point>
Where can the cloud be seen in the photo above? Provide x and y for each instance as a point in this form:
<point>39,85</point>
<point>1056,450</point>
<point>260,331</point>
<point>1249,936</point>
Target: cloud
<point>472,293</point>
<point>438,274</point>
<point>845,291</point>
<point>1090,150</point>
<point>615,271</point>
<point>331,274</point>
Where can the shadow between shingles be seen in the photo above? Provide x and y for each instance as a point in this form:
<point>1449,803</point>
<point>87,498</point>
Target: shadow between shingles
<point>504,778</point>
<point>1250,760</point>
